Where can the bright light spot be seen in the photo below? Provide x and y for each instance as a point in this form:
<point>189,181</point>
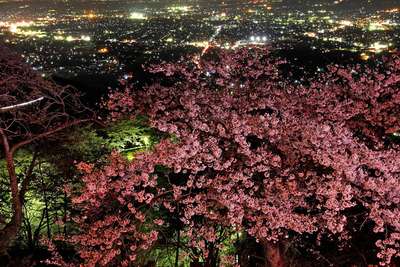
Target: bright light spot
<point>310,34</point>
<point>258,39</point>
<point>376,26</point>
<point>199,44</point>
<point>21,28</point>
<point>85,38</point>
<point>346,23</point>
<point>91,15</point>
<point>379,47</point>
<point>358,44</point>
<point>70,38</point>
<point>13,28</point>
<point>394,10</point>
<point>180,8</point>
<point>137,16</point>
<point>103,50</point>
<point>127,76</point>
<point>364,56</point>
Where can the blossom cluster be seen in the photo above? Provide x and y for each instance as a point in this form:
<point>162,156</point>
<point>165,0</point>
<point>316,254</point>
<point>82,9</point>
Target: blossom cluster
<point>252,152</point>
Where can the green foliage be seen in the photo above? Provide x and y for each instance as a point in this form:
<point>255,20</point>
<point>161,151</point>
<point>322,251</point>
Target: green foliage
<point>33,208</point>
<point>126,137</point>
<point>129,137</point>
<point>55,168</point>
<point>5,207</point>
<point>22,159</point>
<point>84,144</point>
<point>395,138</point>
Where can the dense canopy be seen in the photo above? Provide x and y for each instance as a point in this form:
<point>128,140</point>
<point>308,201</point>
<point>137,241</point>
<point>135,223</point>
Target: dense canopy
<point>249,151</point>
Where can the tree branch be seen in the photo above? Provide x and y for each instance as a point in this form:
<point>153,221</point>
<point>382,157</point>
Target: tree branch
<point>47,133</point>
<point>27,180</point>
<point>20,105</point>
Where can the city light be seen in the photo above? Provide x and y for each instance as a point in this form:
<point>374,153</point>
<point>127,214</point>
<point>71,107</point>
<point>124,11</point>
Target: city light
<point>90,15</point>
<point>346,23</point>
<point>70,38</point>
<point>180,9</point>
<point>103,50</point>
<point>376,26</point>
<point>379,47</point>
<point>364,56</point>
<point>150,31</point>
<point>137,16</point>
<point>16,26</point>
<point>258,39</point>
<point>199,43</point>
<point>85,38</point>
<point>13,28</point>
<point>310,34</point>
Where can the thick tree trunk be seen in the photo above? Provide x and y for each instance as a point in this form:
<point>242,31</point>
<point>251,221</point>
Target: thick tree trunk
<point>9,233</point>
<point>7,236</point>
<point>212,258</point>
<point>273,255</point>
<point>244,257</point>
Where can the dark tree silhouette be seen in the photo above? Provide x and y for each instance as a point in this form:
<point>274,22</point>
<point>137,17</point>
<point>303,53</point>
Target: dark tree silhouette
<point>31,110</point>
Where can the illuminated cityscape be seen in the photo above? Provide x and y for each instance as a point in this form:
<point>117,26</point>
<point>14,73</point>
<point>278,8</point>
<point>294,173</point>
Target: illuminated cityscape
<point>199,133</point>
<point>106,37</point>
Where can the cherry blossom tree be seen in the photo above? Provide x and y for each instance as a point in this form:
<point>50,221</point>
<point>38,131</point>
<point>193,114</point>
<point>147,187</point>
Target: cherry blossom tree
<point>248,150</point>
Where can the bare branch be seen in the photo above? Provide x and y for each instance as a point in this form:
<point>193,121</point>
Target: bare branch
<point>20,105</point>
<point>47,134</point>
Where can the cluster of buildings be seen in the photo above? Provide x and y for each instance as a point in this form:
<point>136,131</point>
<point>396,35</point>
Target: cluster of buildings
<point>99,37</point>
